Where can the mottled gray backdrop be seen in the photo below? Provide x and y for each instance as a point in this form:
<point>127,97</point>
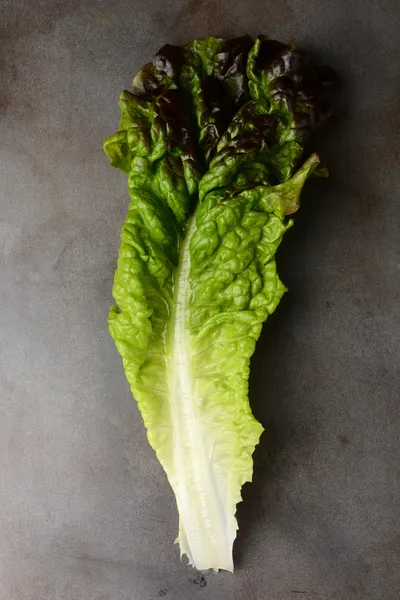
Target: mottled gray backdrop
<point>85,510</point>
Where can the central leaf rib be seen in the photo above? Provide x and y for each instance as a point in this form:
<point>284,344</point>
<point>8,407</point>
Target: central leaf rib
<point>204,532</point>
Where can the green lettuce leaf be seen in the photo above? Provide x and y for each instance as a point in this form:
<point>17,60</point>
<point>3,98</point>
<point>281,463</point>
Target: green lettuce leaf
<point>212,141</point>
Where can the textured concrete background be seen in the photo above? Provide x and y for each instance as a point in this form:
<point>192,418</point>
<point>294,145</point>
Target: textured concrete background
<point>85,510</point>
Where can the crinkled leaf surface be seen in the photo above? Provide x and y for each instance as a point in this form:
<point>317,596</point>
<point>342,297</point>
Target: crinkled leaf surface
<point>211,140</point>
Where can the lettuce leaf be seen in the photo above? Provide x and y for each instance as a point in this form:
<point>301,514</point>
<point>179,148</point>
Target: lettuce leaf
<point>212,142</point>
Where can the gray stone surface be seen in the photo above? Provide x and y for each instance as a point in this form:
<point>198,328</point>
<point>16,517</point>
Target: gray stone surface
<point>85,510</point>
